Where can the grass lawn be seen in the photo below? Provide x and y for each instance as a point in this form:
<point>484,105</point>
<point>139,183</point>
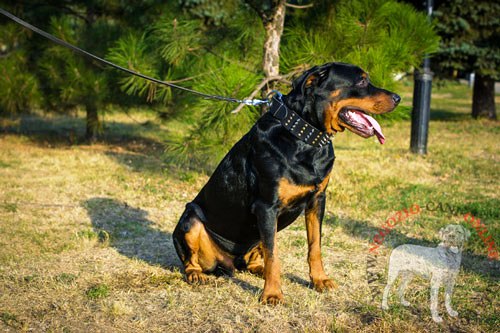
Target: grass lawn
<point>85,231</point>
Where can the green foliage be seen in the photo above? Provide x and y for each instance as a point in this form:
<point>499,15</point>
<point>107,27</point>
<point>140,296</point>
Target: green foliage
<point>383,37</point>
<point>470,33</point>
<point>223,57</point>
<point>66,278</point>
<point>221,60</point>
<point>178,40</point>
<point>131,51</point>
<point>18,86</point>
<point>70,77</point>
<point>215,129</point>
<point>43,73</point>
<point>212,12</point>
<point>10,207</point>
<point>10,319</point>
<point>97,291</point>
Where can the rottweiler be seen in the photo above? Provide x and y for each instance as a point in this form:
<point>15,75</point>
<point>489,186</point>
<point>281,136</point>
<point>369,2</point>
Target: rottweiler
<point>273,174</point>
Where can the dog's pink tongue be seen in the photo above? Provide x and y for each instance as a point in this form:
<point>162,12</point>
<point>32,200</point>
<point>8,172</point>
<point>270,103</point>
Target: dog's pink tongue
<point>370,121</point>
<point>376,128</point>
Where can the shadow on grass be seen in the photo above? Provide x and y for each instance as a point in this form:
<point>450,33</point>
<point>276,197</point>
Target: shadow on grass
<point>135,236</point>
<point>131,232</point>
<point>243,284</point>
<point>64,131</point>
<point>298,280</point>
<point>139,146</point>
<point>363,230</point>
<point>447,115</point>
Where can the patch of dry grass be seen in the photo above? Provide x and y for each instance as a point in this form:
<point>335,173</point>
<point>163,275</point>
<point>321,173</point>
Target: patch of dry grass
<point>85,235</point>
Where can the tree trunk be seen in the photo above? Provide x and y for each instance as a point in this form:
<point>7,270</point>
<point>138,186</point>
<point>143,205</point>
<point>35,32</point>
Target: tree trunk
<point>483,98</point>
<point>272,14</point>
<point>271,61</point>
<point>93,124</point>
<point>273,24</point>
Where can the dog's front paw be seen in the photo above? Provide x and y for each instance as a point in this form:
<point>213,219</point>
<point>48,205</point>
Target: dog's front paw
<point>452,313</point>
<point>322,285</point>
<point>272,298</point>
<point>405,302</point>
<point>196,277</point>
<point>385,307</point>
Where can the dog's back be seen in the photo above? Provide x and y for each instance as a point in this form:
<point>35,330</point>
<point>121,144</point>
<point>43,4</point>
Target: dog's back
<point>423,260</point>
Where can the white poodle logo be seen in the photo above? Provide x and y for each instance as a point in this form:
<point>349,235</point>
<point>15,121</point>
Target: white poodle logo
<point>440,264</point>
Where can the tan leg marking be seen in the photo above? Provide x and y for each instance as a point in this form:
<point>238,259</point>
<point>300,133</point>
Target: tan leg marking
<point>205,254</point>
<point>254,260</point>
<point>272,293</point>
<point>317,273</point>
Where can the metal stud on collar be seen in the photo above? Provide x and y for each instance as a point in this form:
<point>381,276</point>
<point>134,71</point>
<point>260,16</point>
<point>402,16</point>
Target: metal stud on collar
<point>291,120</point>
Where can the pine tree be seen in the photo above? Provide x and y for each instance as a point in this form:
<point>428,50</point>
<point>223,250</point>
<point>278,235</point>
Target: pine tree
<point>42,74</point>
<point>71,79</point>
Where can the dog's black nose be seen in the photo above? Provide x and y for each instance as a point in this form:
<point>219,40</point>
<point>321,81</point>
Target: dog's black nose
<point>396,98</point>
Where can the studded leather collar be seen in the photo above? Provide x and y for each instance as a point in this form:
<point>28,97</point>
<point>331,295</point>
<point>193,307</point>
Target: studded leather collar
<point>300,128</point>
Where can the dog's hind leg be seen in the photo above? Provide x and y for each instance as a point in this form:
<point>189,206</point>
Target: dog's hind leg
<point>406,278</point>
<point>252,261</point>
<point>391,278</point>
<point>195,248</point>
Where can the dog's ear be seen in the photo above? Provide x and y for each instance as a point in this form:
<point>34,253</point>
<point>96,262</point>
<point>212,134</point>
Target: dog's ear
<point>442,232</point>
<point>310,78</point>
<point>467,233</point>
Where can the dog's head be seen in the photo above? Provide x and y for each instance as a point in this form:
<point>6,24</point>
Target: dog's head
<point>338,96</point>
<point>454,237</point>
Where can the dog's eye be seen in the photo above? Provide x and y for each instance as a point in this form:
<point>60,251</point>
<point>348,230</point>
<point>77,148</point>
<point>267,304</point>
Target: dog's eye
<point>363,83</point>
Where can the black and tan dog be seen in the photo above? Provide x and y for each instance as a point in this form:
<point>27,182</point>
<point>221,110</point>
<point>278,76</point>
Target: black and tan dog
<point>278,170</point>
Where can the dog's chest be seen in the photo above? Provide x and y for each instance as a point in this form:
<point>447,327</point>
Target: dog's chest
<point>289,192</point>
<point>307,178</point>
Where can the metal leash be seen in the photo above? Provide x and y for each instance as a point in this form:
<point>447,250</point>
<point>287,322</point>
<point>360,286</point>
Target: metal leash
<point>126,70</point>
